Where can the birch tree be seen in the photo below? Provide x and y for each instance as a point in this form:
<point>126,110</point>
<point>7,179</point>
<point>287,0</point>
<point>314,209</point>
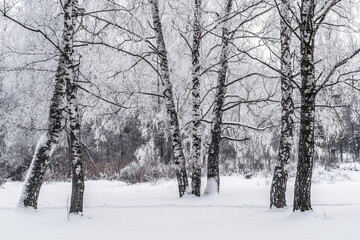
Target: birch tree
<point>306,143</point>
<point>196,113</point>
<point>309,27</point>
<point>278,186</point>
<point>169,100</point>
<point>48,142</point>
<point>213,178</point>
<point>76,204</point>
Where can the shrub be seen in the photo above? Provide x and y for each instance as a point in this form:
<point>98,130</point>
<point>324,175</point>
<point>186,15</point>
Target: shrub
<point>147,167</point>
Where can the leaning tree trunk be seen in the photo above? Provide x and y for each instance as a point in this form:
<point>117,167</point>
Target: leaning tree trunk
<point>169,101</point>
<point>302,200</point>
<point>48,142</point>
<point>78,186</point>
<point>278,186</point>
<point>213,177</point>
<point>196,114</point>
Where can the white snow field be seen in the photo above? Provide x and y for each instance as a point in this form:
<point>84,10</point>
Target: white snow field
<point>114,210</point>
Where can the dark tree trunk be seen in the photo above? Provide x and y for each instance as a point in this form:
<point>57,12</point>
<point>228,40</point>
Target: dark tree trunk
<point>169,101</point>
<point>302,196</point>
<point>196,114</point>
<point>278,186</point>
<point>341,150</point>
<point>213,178</point>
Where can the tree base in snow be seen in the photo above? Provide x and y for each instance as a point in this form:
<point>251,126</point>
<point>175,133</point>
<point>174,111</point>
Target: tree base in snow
<point>278,188</point>
<point>212,186</point>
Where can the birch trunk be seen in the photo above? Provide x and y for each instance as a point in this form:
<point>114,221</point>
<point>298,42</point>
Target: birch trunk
<point>49,141</point>
<point>169,101</point>
<point>302,196</point>
<point>196,138</point>
<point>278,186</point>
<point>46,144</point>
<point>213,178</point>
<point>78,186</point>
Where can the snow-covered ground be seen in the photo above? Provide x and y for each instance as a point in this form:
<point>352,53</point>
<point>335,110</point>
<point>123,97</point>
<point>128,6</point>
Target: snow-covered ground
<point>114,210</point>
